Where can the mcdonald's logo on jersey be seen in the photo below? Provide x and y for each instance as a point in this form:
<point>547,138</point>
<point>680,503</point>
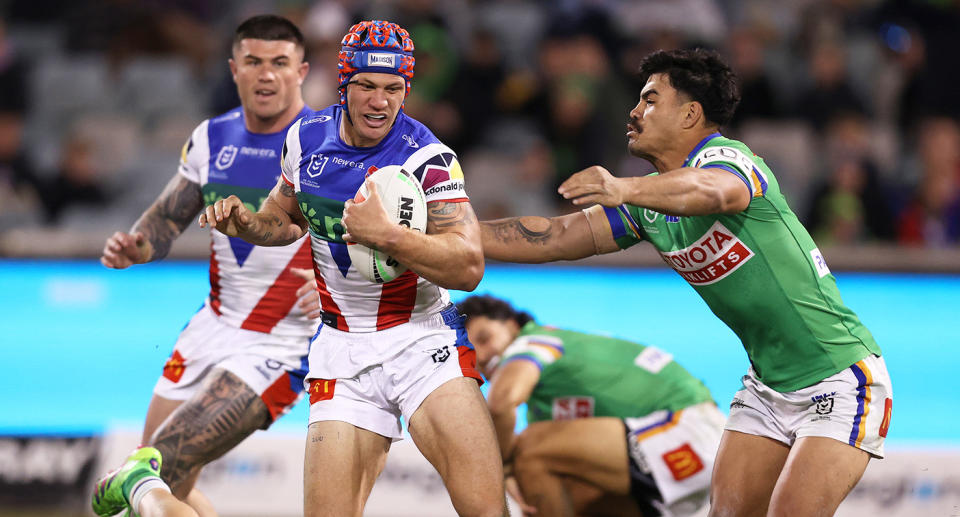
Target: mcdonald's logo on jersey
<point>683,462</point>
<point>322,389</point>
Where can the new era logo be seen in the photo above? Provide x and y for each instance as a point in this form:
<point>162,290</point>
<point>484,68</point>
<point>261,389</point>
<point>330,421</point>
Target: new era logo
<point>381,60</point>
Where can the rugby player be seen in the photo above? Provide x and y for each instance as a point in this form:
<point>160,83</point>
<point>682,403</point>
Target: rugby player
<point>383,350</point>
<point>816,400</point>
<point>615,427</point>
<point>239,363</point>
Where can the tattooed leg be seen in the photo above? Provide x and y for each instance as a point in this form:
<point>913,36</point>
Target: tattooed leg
<point>202,429</point>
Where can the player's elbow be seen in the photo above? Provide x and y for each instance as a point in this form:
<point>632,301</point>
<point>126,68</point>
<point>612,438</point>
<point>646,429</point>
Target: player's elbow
<point>731,202</point>
<point>470,275</point>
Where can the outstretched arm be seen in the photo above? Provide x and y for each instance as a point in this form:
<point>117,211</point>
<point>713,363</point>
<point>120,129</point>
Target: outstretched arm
<point>510,386</point>
<point>682,192</point>
<point>449,254</point>
<point>278,222</point>
<point>534,239</point>
<point>153,234</point>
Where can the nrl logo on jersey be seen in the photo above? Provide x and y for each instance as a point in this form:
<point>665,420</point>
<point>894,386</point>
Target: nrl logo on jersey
<point>226,156</point>
<point>317,163</point>
<point>713,256</point>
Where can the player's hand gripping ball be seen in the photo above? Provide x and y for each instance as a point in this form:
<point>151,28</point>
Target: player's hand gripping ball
<point>403,200</point>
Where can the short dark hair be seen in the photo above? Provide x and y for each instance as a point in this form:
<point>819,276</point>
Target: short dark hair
<point>268,27</point>
<point>700,74</point>
<point>493,308</point>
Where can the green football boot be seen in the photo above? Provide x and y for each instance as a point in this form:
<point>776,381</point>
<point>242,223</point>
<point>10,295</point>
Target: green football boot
<point>111,494</point>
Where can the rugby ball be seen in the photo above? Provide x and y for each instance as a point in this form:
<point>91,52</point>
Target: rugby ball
<point>405,204</point>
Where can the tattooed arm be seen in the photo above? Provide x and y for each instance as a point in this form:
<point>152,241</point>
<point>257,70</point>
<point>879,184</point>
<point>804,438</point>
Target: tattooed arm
<point>540,239</point>
<point>278,222</point>
<point>153,234</point>
<point>449,254</point>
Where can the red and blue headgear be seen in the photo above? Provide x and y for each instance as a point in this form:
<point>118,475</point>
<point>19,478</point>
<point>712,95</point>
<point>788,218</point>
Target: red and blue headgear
<point>375,46</point>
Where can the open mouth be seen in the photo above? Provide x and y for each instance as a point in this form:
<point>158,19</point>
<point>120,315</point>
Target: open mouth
<point>375,119</point>
<point>633,131</point>
<point>264,94</point>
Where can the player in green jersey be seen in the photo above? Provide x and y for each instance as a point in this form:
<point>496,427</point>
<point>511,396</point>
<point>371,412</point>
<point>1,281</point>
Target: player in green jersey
<point>615,427</point>
<point>816,400</point>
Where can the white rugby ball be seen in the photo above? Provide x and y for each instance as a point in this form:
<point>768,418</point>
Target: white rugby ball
<point>403,199</point>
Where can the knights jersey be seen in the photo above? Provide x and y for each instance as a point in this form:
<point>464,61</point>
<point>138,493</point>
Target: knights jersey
<point>585,376</point>
<point>251,287</point>
<point>325,172</point>
<point>759,271</point>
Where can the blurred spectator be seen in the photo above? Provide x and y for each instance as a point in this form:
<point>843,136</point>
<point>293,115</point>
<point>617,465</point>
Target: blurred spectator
<point>18,183</point>
<point>851,204</point>
<point>576,74</point>
<point>324,25</point>
<point>932,217</point>
<point>76,183</point>
<point>477,89</point>
<point>924,37</point>
<point>124,29</point>
<point>830,93</point>
<point>758,100</point>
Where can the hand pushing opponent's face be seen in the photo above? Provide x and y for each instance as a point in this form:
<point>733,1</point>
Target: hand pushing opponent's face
<point>373,100</point>
<point>268,74</point>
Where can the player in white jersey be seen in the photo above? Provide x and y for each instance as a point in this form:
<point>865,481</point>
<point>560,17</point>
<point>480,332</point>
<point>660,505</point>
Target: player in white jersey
<point>384,350</point>
<point>240,362</point>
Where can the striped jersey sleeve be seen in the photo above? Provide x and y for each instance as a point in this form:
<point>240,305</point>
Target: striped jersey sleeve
<point>623,224</point>
<point>195,155</point>
<point>437,168</point>
<point>291,156</point>
<point>735,161</point>
<point>541,350</point>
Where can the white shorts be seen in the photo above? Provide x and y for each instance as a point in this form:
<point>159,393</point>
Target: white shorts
<point>272,366</point>
<point>852,406</point>
<point>678,450</point>
<point>429,353</point>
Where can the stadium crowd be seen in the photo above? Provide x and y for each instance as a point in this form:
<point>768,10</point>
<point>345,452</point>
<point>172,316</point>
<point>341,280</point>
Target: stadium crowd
<point>853,102</point>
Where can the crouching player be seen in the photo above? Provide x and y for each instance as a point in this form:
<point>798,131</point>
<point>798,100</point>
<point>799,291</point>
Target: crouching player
<point>616,428</point>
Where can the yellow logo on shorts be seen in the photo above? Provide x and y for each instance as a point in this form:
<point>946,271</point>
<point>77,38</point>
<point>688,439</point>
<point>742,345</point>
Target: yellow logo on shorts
<point>322,389</point>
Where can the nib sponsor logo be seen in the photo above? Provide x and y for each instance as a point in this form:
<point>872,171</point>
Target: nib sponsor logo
<point>716,254</point>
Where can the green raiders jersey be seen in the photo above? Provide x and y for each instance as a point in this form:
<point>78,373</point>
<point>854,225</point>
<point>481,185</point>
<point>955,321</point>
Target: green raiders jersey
<point>759,271</point>
<point>583,375</point>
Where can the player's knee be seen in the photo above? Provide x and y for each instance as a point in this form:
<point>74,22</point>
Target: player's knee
<point>529,445</point>
<point>723,505</point>
<point>487,508</point>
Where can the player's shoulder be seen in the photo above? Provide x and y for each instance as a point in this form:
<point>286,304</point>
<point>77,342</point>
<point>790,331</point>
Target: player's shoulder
<point>414,133</point>
<point>320,117</point>
<point>316,126</point>
<point>231,117</point>
<point>720,149</point>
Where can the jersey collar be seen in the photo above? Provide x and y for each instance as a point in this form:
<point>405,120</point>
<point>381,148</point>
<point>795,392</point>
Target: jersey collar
<point>699,146</point>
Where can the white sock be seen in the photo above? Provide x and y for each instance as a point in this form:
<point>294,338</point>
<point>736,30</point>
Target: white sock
<point>143,486</point>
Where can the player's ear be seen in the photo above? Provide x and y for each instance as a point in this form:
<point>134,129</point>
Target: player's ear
<point>303,71</point>
<point>692,114</point>
<point>233,68</point>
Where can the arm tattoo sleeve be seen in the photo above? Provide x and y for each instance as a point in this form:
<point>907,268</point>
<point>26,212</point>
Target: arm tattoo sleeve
<point>170,214</point>
<point>286,190</point>
<point>514,229</point>
<point>446,215</point>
